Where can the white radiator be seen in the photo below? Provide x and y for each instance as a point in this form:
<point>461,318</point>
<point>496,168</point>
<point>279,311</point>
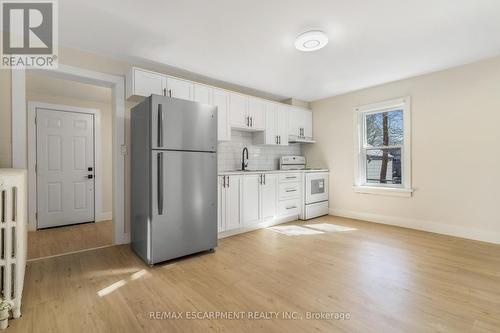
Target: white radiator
<point>13,236</point>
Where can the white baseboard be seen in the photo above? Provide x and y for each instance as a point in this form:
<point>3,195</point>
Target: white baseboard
<point>430,226</point>
<point>103,216</point>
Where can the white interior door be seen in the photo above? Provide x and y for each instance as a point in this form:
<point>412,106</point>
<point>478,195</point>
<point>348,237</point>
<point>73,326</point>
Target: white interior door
<point>65,167</point>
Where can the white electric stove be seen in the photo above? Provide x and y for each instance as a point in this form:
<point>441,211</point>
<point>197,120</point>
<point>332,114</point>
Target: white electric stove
<point>315,199</point>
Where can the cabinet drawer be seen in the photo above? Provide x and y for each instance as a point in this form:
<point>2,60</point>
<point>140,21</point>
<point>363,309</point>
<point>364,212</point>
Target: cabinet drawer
<point>289,207</point>
<point>289,177</point>
<point>289,190</point>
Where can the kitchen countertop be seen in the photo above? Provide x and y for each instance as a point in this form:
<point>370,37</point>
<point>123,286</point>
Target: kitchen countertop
<point>250,172</point>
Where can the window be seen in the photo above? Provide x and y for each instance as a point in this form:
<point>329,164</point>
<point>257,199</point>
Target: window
<point>383,148</point>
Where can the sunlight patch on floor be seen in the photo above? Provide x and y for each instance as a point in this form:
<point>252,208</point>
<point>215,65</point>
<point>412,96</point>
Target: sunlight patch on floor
<point>118,284</point>
<point>309,229</point>
<point>294,230</point>
<point>329,227</point>
<point>139,274</point>
<point>109,289</point>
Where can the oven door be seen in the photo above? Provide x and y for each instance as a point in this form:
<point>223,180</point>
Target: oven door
<point>316,187</point>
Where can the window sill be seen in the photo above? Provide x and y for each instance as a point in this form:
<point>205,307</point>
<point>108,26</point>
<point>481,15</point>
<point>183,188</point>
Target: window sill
<point>390,191</point>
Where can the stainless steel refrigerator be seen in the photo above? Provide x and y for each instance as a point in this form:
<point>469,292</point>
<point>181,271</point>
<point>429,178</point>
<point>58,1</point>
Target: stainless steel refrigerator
<point>173,178</point>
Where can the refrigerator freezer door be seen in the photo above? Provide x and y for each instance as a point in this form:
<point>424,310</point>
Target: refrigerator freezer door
<point>178,124</point>
<point>184,203</point>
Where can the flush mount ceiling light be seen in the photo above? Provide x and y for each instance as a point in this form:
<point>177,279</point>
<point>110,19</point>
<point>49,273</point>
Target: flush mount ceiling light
<point>311,41</point>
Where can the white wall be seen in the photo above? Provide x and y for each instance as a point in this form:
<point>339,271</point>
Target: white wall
<point>455,152</point>
<point>260,157</point>
<point>5,119</point>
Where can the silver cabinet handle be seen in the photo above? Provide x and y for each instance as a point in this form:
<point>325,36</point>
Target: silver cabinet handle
<point>279,139</point>
<point>228,181</point>
<point>164,91</point>
<point>223,181</point>
<point>160,125</point>
<point>169,92</point>
<point>264,179</point>
<point>160,182</point>
<point>276,139</point>
<point>251,121</point>
<point>291,190</point>
<point>291,207</point>
<point>290,177</point>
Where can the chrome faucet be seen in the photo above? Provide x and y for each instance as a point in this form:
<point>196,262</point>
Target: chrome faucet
<point>243,164</point>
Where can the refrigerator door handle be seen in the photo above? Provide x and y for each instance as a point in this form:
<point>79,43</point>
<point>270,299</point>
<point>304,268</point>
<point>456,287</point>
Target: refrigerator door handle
<point>160,182</point>
<point>160,125</point>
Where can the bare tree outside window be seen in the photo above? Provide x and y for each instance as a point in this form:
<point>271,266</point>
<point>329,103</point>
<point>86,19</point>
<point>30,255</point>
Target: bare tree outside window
<point>384,135</point>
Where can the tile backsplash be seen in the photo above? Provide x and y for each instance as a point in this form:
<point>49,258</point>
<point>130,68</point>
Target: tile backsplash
<point>260,157</point>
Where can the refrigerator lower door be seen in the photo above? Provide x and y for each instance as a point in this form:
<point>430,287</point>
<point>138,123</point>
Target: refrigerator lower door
<point>184,203</point>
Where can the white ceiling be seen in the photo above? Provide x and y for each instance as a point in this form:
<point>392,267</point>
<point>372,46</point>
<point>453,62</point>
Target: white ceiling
<point>250,43</point>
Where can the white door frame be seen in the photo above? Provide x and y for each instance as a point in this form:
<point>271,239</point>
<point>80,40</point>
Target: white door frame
<point>32,158</point>
<point>19,129</point>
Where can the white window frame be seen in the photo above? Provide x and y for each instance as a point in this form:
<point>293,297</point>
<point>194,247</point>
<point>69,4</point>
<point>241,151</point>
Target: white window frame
<point>360,184</point>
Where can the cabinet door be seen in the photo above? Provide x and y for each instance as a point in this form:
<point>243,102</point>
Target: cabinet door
<point>238,108</point>
<point>233,202</point>
<point>294,121</point>
<point>306,120</point>
<point>180,88</point>
<point>282,125</point>
<point>202,94</point>
<point>250,200</point>
<point>271,134</point>
<point>220,98</point>
<point>269,197</point>
<point>256,112</point>
<point>221,204</point>
<point>147,83</point>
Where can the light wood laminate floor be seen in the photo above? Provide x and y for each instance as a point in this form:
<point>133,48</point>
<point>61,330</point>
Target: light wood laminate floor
<point>61,240</point>
<point>388,279</point>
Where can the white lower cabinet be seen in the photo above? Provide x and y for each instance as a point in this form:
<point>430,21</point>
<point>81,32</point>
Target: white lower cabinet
<point>269,197</point>
<point>250,198</point>
<point>229,203</point>
<point>259,198</point>
<point>251,201</point>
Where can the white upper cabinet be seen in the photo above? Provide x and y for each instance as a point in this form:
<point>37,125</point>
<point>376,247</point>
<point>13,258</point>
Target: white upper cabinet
<point>238,108</point>
<point>220,98</point>
<point>299,123</point>
<point>273,123</point>
<point>282,125</point>
<point>271,133</point>
<point>276,126</point>
<point>256,113</point>
<point>180,88</point>
<point>247,113</point>
<point>202,94</point>
<point>142,83</point>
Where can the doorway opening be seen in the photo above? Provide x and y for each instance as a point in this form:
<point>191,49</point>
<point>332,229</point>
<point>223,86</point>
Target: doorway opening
<point>70,150</point>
